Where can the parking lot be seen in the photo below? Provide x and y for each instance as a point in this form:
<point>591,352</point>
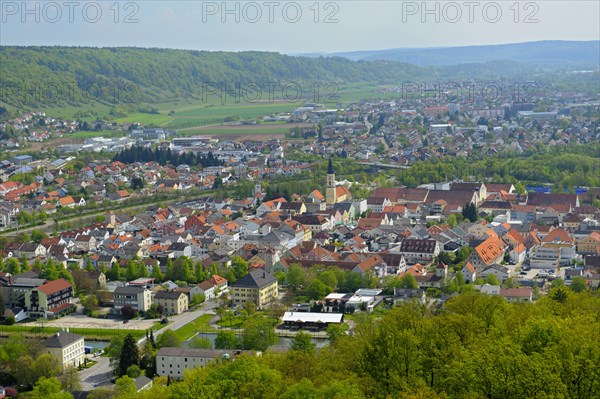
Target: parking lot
<point>533,273</point>
<point>76,320</point>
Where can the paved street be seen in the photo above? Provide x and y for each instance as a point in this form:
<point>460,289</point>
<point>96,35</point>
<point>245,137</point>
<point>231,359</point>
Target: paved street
<point>98,374</point>
<point>178,321</point>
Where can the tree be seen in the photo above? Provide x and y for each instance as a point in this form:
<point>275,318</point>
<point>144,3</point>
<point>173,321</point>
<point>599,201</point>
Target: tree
<point>296,277</point>
<point>168,339</point>
<point>157,274</point>
<point>69,379</point>
<point>128,312</point>
<point>578,284</point>
<point>470,212</point>
<point>452,221</point>
<point>129,355</point>
<point>239,267</point>
<point>133,371</point>
<point>88,265</point>
<point>199,342</point>
<point>408,281</point>
<point>45,365</point>
<point>492,279</point>
<point>125,387</point>
<point>226,339</point>
<point>258,334</point>
<point>336,331</point>
<point>559,294</point>
<point>317,290</point>
<point>137,183</point>
<point>90,304</point>
<point>13,266</point>
<point>37,235</point>
<point>148,358</point>
<point>49,388</point>
<point>114,273</point>
<point>302,342</point>
<point>170,275</point>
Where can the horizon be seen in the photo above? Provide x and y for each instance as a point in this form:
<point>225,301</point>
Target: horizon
<point>294,27</point>
<point>304,53</point>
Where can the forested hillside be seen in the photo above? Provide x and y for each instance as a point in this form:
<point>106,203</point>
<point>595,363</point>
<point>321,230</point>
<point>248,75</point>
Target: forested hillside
<point>477,347</point>
<point>161,74</point>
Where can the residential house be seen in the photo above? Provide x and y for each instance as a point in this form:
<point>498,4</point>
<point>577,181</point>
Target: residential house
<point>139,298</point>
<point>590,244</point>
<point>211,288</point>
<point>173,302</point>
<point>258,287</point>
<point>521,294</point>
<point>172,362</point>
<point>49,300</point>
<point>67,347</point>
<point>419,250</point>
<point>499,271</point>
<point>469,272</point>
<point>487,253</point>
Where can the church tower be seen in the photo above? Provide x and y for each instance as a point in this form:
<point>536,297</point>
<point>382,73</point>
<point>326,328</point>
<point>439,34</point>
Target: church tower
<point>330,193</point>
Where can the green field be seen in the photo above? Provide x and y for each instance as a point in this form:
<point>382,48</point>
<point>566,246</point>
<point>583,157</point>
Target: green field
<point>99,334</point>
<point>195,112</point>
<point>224,131</point>
<point>199,325</point>
<point>145,119</point>
<point>90,134</point>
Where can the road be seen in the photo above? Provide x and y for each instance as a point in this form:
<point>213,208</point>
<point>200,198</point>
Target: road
<point>182,319</point>
<point>101,373</point>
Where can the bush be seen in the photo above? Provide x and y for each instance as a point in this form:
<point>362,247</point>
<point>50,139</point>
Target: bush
<point>9,321</point>
<point>133,371</point>
<point>128,312</point>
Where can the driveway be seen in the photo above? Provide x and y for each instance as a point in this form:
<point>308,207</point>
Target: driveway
<point>97,375</point>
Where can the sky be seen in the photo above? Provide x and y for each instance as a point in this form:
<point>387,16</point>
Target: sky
<point>294,26</point>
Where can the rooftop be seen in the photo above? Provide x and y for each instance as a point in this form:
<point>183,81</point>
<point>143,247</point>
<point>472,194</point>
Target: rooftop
<point>62,339</point>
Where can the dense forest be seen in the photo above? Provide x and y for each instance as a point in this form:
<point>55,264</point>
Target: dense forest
<point>165,156</point>
<point>55,75</point>
<point>474,347</point>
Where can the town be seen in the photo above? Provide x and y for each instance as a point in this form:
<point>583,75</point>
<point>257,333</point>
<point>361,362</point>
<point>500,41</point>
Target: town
<point>132,255</point>
<point>230,247</point>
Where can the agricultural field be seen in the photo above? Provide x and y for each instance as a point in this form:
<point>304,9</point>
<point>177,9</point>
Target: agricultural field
<point>265,130</point>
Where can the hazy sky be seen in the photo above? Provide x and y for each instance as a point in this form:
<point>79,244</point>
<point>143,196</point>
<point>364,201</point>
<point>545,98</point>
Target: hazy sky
<point>291,27</point>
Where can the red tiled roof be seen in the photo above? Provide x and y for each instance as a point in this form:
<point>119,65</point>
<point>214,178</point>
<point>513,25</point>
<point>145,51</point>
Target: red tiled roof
<point>52,287</point>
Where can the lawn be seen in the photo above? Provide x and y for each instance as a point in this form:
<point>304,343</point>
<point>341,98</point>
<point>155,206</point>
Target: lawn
<point>231,322</point>
<point>146,119</point>
<point>193,112</point>
<point>94,334</point>
<point>90,134</point>
<point>198,325</point>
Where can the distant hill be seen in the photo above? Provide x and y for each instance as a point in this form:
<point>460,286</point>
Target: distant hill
<point>163,74</point>
<point>548,53</point>
<point>28,75</point>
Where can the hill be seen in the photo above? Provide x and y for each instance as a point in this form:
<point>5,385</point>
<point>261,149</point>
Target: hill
<point>42,77</point>
<point>547,53</point>
<point>163,74</point>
